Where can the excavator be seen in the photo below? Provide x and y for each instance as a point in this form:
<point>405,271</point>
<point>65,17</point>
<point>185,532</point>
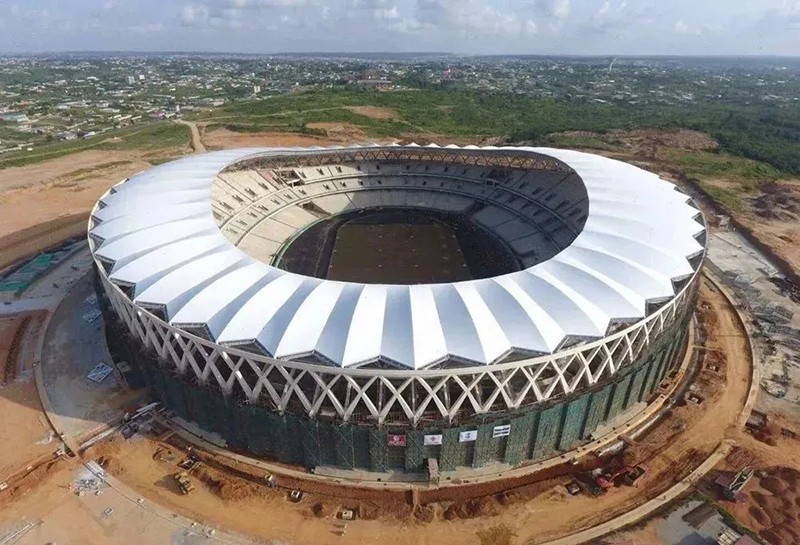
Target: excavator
<point>628,474</point>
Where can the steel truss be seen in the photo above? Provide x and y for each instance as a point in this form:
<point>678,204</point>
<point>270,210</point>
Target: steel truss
<point>387,396</point>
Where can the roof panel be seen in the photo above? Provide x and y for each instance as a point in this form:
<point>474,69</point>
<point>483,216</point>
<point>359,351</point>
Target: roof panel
<point>159,229</point>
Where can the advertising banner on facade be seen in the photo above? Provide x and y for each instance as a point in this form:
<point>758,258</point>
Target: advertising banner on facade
<point>397,440</point>
<point>467,436</point>
<point>501,431</point>
<point>432,440</point>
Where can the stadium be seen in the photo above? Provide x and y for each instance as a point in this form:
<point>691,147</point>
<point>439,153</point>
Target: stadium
<point>379,308</point>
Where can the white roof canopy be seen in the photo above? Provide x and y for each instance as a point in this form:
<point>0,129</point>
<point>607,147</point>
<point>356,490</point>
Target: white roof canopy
<point>157,233</point>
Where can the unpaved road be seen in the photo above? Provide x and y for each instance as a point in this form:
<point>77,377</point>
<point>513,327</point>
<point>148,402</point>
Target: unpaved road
<point>197,142</point>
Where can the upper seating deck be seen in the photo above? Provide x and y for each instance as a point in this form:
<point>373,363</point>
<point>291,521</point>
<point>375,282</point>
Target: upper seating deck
<point>536,213</point>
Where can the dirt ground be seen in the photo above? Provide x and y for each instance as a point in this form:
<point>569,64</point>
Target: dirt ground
<point>425,138</point>
<point>775,216</point>
<point>22,421</point>
<point>224,139</point>
<point>60,189</point>
<point>342,132</point>
<point>415,254</point>
<point>771,505</point>
<point>11,329</point>
<point>375,112</point>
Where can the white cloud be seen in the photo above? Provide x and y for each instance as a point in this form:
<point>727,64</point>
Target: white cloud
<point>470,17</point>
<point>147,28</point>
<point>195,14</point>
<point>270,3</point>
<point>559,9</point>
<point>681,27</point>
<point>614,18</point>
<point>411,26</point>
<point>466,26</point>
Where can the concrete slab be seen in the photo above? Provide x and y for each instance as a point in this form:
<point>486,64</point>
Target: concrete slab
<point>747,272</point>
<point>72,348</point>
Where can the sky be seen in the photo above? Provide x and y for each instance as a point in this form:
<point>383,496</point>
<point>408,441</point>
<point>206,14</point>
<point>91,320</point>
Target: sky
<point>544,27</point>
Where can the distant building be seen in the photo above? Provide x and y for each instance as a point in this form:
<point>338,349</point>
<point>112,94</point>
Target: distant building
<point>131,80</point>
<point>374,83</point>
<point>14,117</point>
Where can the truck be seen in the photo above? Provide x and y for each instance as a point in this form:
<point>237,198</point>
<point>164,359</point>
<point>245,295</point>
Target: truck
<point>184,483</point>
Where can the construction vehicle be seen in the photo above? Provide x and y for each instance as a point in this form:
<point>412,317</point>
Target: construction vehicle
<point>587,482</point>
<point>628,474</point>
<point>634,475</point>
<point>732,485</point>
<point>184,483</point>
<point>189,464</point>
<point>573,488</point>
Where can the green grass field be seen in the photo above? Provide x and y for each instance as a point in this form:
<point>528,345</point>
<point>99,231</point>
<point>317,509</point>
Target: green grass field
<point>141,137</point>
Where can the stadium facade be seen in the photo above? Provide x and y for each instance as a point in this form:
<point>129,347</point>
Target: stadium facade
<point>583,274</point>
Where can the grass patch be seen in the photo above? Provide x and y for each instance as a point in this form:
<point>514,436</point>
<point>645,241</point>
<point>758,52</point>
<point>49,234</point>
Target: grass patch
<point>729,198</point>
<point>146,137</point>
<point>583,142</point>
<point>83,173</point>
<point>162,135</point>
<point>704,164</point>
<point>50,151</point>
<point>155,161</point>
<point>724,177</point>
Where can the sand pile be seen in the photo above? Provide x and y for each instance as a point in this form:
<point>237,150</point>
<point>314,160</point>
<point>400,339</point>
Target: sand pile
<point>775,506</point>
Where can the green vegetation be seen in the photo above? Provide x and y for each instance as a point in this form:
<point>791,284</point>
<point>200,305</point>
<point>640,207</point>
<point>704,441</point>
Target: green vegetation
<point>142,137</point>
<point>729,198</point>
<point>10,136</point>
<point>83,173</point>
<point>584,142</point>
<point>739,176</point>
<point>161,135</point>
<point>702,164</point>
<point>770,134</point>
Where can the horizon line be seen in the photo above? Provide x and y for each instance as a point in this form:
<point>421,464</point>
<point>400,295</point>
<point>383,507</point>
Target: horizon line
<point>399,53</point>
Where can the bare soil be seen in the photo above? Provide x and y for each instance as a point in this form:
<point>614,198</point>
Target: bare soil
<point>22,421</point>
<point>645,141</point>
<point>425,138</point>
<point>774,215</point>
<point>11,331</point>
<point>32,477</point>
<point>225,139</point>
<point>57,194</point>
<point>31,240</point>
<point>772,508</point>
<point>374,112</point>
<point>341,132</point>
